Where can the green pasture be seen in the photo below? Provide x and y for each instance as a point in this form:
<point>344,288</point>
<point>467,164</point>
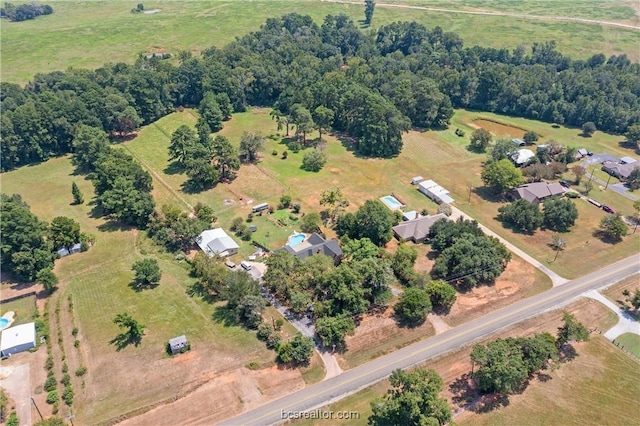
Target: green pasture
<point>90,34</point>
<point>631,343</point>
<point>24,309</point>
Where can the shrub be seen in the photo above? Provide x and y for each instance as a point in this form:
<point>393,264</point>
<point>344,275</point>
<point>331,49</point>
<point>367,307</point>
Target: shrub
<point>13,420</point>
<point>285,154</point>
<point>66,379</point>
<point>81,371</point>
<point>254,365</point>
<point>65,367</point>
<point>313,161</point>
<point>50,384</point>
<point>245,234</point>
<point>250,217</point>
<point>285,201</point>
<point>67,395</point>
<point>279,323</point>
<point>274,152</point>
<point>55,408</point>
<point>445,209</point>
<point>74,332</point>
<point>76,343</point>
<point>295,207</point>
<point>235,223</point>
<point>52,397</point>
<point>49,363</point>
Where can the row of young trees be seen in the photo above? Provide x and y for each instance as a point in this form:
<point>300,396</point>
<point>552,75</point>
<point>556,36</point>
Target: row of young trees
<point>373,86</point>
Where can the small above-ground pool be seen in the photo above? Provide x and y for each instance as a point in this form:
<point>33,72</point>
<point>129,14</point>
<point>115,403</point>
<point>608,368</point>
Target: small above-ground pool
<point>296,239</point>
<point>391,202</point>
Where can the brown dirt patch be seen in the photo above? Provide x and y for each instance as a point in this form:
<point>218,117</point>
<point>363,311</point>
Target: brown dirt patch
<point>614,293</point>
<point>222,397</point>
<point>520,280</point>
<point>378,334</point>
<point>498,129</point>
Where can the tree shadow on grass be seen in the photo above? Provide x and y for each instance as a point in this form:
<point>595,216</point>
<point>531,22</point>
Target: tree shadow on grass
<point>403,323</point>
<point>567,353</point>
<point>137,287</point>
<point>114,226</point>
<point>515,230</point>
<point>174,168</point>
<point>606,238</point>
<point>463,390</point>
<point>491,402</point>
<point>225,316</point>
<point>123,340</point>
<point>488,195</point>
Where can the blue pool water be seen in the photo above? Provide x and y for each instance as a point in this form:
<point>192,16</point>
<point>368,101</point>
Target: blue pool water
<point>392,202</point>
<point>4,322</point>
<point>294,240</point>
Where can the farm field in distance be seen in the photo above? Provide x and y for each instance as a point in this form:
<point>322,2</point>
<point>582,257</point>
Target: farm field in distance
<point>89,34</point>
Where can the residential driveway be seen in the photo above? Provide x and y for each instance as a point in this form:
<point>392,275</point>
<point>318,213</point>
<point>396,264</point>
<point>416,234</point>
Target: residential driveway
<point>555,278</point>
<point>626,323</point>
<point>16,381</point>
<point>599,159</point>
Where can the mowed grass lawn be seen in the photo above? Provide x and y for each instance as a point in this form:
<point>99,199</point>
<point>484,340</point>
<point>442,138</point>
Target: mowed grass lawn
<point>90,34</point>
<point>630,343</point>
<point>99,281</point>
<point>24,309</point>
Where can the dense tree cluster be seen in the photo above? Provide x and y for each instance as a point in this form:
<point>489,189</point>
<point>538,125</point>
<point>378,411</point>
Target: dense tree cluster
<point>25,250</point>
<point>373,220</point>
<point>338,294</point>
<point>466,257</point>
<point>122,187</point>
<point>504,365</point>
<point>376,84</point>
<point>24,12</point>
<point>559,214</point>
<point>413,400</point>
<point>521,215</point>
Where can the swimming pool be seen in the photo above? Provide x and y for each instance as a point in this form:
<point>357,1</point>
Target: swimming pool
<point>296,239</point>
<point>391,202</point>
<point>3,323</point>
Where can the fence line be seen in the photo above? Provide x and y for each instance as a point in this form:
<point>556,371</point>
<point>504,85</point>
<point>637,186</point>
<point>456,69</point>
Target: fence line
<point>20,296</point>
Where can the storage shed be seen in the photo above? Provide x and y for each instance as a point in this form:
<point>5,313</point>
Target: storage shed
<point>178,344</point>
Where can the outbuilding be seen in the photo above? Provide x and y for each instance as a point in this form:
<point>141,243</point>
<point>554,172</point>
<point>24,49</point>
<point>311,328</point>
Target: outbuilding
<point>260,207</point>
<point>416,180</point>
<point>18,338</point>
<point>217,242</point>
<point>178,344</point>
<point>435,192</point>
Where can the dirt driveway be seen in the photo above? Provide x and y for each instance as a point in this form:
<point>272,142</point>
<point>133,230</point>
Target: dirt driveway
<point>15,380</point>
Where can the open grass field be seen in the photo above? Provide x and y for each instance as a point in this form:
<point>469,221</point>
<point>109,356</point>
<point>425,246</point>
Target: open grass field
<point>89,34</point>
<point>599,386</point>
<point>98,281</point>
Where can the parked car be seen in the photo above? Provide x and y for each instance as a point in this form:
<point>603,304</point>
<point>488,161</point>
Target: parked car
<point>572,194</point>
<point>564,183</point>
<point>246,266</point>
<point>608,209</point>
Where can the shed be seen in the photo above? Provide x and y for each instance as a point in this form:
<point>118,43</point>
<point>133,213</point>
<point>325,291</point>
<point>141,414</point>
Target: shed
<point>518,142</point>
<point>19,338</point>
<point>62,252</point>
<point>178,344</point>
<point>435,192</point>
<point>416,180</point>
<point>76,248</point>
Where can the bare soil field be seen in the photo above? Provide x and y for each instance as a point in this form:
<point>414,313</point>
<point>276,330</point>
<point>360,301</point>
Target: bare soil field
<point>223,396</point>
<point>498,129</point>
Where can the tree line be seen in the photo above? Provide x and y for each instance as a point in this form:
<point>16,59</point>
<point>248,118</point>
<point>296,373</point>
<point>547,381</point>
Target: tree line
<point>24,12</point>
<point>371,86</point>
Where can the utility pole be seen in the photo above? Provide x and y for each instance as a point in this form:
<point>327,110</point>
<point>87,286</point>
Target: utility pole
<point>607,185</point>
<point>37,409</point>
<point>470,189</point>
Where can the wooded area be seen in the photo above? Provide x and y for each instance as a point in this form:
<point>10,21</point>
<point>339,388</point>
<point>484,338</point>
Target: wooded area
<point>376,86</point>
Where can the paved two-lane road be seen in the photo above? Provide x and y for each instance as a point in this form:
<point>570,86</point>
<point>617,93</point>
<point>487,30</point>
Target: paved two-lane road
<point>365,375</point>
